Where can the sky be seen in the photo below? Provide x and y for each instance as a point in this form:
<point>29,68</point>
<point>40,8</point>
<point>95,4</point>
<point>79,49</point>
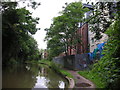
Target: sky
<point>46,12</point>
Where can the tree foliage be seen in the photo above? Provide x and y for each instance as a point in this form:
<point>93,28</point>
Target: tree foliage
<point>17,27</point>
<point>108,68</point>
<point>61,33</point>
<point>101,18</point>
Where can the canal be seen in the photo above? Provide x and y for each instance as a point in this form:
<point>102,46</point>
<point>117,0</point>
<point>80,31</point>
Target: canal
<point>32,76</point>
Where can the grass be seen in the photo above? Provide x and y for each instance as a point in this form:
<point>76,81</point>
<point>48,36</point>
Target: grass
<point>44,61</point>
<point>93,76</point>
<point>31,61</point>
<point>66,73</point>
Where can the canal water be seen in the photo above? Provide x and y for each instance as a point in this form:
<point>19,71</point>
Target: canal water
<point>32,76</point>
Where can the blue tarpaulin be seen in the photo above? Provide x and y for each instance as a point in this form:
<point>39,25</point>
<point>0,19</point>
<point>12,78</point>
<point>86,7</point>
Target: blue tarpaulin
<point>99,48</point>
<point>90,56</point>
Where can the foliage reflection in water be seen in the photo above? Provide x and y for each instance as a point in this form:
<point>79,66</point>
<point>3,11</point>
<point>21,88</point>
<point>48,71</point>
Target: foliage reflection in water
<point>34,76</point>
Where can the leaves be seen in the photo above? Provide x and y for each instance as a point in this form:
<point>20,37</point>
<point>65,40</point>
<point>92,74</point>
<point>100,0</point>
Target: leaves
<point>62,33</point>
<point>18,26</point>
<point>109,65</point>
<point>101,18</point>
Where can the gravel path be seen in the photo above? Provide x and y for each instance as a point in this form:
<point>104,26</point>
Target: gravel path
<point>81,82</point>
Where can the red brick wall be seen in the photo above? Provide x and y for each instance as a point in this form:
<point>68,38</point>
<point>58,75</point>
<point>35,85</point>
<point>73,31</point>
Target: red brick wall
<point>83,47</point>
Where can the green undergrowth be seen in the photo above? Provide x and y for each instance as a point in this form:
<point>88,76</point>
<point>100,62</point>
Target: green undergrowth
<point>106,72</point>
<point>44,61</point>
<point>97,80</point>
<point>64,72</point>
<point>31,62</point>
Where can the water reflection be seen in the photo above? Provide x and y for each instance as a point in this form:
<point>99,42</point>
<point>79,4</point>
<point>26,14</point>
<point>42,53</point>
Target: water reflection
<point>61,84</point>
<point>32,76</point>
<point>39,84</point>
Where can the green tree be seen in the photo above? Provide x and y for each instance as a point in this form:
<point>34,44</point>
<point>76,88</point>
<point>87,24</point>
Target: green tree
<point>101,18</point>
<point>17,27</point>
<point>62,33</point>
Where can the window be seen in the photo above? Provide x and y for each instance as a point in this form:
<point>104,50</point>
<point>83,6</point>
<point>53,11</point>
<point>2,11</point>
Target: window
<point>92,40</point>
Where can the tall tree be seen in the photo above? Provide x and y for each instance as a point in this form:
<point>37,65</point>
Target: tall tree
<point>17,27</point>
<point>61,33</point>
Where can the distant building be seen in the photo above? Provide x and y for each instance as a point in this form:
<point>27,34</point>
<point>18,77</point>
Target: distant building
<point>45,54</point>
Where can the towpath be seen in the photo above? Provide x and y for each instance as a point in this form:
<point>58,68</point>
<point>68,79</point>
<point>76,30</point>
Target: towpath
<point>81,82</point>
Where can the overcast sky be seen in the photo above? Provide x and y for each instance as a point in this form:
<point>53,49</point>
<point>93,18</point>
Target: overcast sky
<point>46,11</point>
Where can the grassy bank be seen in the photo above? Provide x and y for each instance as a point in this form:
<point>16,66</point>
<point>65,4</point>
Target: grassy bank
<point>93,76</point>
<point>44,61</point>
<point>66,73</point>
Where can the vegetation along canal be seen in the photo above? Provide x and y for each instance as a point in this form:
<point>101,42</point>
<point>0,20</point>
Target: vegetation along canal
<point>32,76</point>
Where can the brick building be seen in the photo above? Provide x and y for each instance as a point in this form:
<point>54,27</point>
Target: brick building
<point>83,46</point>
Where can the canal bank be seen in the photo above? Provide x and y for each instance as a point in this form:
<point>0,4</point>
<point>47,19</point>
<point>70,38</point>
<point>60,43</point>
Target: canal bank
<point>76,81</point>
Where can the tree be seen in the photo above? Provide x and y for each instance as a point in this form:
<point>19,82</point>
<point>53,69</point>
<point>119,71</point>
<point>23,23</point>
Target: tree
<point>17,27</point>
<point>61,33</point>
<point>101,18</point>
